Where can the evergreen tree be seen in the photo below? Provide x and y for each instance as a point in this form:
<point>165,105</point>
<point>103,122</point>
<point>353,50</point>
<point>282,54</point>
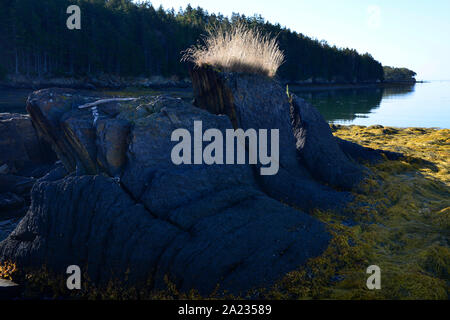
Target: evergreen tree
<point>135,39</point>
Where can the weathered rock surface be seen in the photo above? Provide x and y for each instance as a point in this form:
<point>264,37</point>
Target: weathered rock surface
<point>260,103</point>
<point>7,226</point>
<point>238,243</point>
<point>20,146</point>
<point>318,148</point>
<point>115,204</point>
<point>23,157</point>
<point>46,108</point>
<point>126,206</point>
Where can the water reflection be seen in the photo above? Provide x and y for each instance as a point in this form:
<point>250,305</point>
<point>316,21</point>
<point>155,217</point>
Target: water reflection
<point>349,104</point>
<point>398,91</point>
<point>423,105</point>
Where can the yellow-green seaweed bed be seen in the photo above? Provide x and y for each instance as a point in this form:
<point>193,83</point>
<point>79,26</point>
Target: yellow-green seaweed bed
<point>403,226</point>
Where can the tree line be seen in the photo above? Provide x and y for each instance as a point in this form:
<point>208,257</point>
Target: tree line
<point>399,74</point>
<point>136,39</point>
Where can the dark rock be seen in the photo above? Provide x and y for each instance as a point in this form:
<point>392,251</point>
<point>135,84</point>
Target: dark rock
<point>37,171</point>
<point>318,148</point>
<point>255,102</point>
<point>20,146</point>
<point>80,134</point>
<point>90,221</point>
<point>80,142</point>
<point>10,203</point>
<point>46,108</point>
<point>7,226</point>
<point>116,204</point>
<point>112,144</point>
<point>57,172</point>
<point>201,225</point>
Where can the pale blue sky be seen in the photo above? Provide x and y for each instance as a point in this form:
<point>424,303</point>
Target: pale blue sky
<point>403,33</point>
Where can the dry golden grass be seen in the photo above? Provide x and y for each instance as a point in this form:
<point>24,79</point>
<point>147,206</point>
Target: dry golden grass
<point>237,49</point>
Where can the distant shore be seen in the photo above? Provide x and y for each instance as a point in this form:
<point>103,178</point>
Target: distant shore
<point>157,82</point>
<point>339,86</point>
<point>92,82</point>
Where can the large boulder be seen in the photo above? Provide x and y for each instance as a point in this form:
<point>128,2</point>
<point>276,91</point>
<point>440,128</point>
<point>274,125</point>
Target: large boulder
<point>318,148</point>
<point>236,242</point>
<point>125,208</point>
<point>46,108</point>
<point>255,102</point>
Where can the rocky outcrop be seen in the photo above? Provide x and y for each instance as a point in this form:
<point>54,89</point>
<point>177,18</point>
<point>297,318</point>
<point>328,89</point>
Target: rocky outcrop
<point>117,204</point>
<point>46,108</point>
<point>125,207</point>
<point>237,242</point>
<point>318,149</point>
<point>309,152</point>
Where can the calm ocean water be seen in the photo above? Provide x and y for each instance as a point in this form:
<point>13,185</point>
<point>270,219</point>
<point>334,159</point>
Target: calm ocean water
<point>421,105</point>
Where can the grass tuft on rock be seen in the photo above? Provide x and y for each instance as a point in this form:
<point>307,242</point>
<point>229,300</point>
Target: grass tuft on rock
<point>237,48</point>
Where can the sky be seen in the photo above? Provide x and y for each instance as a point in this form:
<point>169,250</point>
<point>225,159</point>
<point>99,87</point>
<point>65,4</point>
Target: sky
<point>403,33</point>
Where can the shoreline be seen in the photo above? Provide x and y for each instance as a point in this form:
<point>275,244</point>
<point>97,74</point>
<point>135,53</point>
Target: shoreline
<point>99,82</point>
<point>103,82</point>
<point>343,86</point>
